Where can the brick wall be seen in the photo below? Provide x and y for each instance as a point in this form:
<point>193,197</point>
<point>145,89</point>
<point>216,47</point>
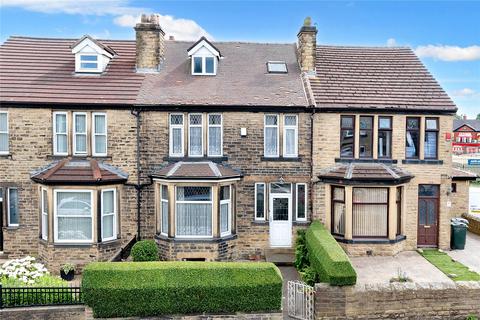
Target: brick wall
<point>460,199</point>
<point>398,301</point>
<point>474,223</point>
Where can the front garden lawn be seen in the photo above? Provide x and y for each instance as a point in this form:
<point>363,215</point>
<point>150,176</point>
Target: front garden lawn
<point>453,269</point>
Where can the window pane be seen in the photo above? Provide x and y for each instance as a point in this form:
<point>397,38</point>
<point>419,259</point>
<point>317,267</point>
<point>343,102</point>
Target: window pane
<point>88,58</point>
<point>347,122</point>
<point>215,119</point>
<point>194,194</point>
<point>215,141</point>
<point>80,123</point>
<point>164,192</point>
<point>61,123</point>
<point>430,144</point>
<point>81,143</point>
<point>428,190</point>
<point>339,194</point>
<point>209,65</point>
<point>384,143</point>
<point>177,136</point>
<point>290,120</point>
<point>260,195</point>
<point>3,122</point>
<point>74,228</point>
<point>108,202</point>
<point>366,122</point>
<point>290,142</point>
<point>44,201</point>
<point>412,123</point>
<point>224,216</point>
<point>301,201</point>
<point>13,206</point>
<point>366,143</point>
<point>197,65</point>
<point>194,219</point>
<point>338,219</point>
<point>279,67</point>
<point>107,225</point>
<point>100,144</point>
<point>271,120</point>
<point>100,124</point>
<point>196,119</point>
<point>225,193</point>
<point>346,143</point>
<point>280,187</point>
<point>196,141</point>
<point>385,123</point>
<point>73,203</point>
<point>411,149</point>
<point>176,119</point>
<point>165,217</point>
<point>431,124</point>
<point>90,65</point>
<point>370,212</point>
<point>271,141</point>
<point>44,226</point>
<point>370,195</point>
<point>62,143</point>
<point>74,216</point>
<point>4,142</point>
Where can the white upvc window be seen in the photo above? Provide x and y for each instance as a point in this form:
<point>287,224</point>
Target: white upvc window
<point>193,212</point>
<point>205,65</point>
<point>271,136</point>
<point>290,136</point>
<point>12,207</point>
<point>225,210</point>
<point>79,133</point>
<point>73,216</point>
<point>88,63</point>
<point>44,221</point>
<point>109,214</point>
<point>60,133</point>
<point>164,208</point>
<point>260,201</point>
<point>215,135</point>
<point>99,134</point>
<point>4,132</point>
<point>195,135</point>
<point>301,201</point>
<point>176,135</point>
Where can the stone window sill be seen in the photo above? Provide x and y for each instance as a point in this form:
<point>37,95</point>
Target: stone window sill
<point>370,240</point>
<point>282,159</point>
<point>86,157</point>
<point>194,159</point>
<point>187,240</point>
<point>350,160</point>
<point>425,161</point>
<point>6,156</point>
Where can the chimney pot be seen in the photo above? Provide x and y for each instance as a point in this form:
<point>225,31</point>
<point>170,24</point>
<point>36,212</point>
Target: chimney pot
<point>464,117</point>
<point>307,46</point>
<point>172,38</point>
<point>150,44</point>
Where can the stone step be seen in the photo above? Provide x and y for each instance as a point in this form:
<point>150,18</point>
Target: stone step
<point>280,256</point>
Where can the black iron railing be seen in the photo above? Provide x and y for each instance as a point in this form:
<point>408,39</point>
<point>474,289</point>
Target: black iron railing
<point>12,297</point>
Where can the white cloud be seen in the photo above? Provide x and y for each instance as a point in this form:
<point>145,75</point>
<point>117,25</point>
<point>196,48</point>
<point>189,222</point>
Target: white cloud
<point>449,53</point>
<point>465,92</point>
<point>124,14</point>
<point>181,29</point>
<point>391,42</point>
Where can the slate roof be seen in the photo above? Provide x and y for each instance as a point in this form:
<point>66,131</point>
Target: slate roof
<point>42,70</point>
<point>69,172</point>
<point>474,124</point>
<point>242,78</point>
<point>364,173</point>
<point>375,78</point>
<point>458,174</point>
<point>206,170</point>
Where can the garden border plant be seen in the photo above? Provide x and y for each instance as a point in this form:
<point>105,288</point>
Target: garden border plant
<point>123,289</point>
<point>145,250</point>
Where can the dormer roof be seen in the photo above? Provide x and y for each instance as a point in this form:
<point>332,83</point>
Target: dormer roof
<point>87,40</point>
<point>203,43</point>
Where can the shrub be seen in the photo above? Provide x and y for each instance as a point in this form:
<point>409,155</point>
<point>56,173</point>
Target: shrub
<point>301,253</point>
<point>123,289</point>
<point>327,258</point>
<point>145,250</point>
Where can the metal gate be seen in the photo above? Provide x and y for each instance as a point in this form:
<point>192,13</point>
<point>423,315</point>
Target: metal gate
<point>301,298</point>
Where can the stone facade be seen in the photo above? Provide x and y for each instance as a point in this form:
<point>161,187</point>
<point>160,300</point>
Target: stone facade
<point>460,198</point>
<point>398,301</point>
<point>307,46</point>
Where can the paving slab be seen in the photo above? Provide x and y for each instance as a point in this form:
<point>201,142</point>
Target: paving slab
<point>288,274</point>
<point>470,256</point>
<point>380,269</point>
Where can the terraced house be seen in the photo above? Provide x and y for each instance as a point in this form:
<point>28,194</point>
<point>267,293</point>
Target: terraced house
<point>218,151</point>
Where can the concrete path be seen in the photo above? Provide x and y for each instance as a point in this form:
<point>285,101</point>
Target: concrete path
<point>470,257</point>
<point>380,269</point>
<point>288,274</point>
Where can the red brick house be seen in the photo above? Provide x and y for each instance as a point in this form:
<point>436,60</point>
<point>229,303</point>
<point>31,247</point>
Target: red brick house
<point>466,136</point>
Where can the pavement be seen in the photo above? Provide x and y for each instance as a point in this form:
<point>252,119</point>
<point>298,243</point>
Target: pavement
<point>470,256</point>
<point>288,274</point>
<point>380,269</point>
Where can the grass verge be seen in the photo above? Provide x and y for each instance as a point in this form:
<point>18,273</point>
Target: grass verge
<point>453,269</point>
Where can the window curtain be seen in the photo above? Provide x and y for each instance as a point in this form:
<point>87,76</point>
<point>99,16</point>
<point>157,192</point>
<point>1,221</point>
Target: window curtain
<point>224,212</point>
<point>338,218</point>
<point>177,136</point>
<point>430,144</point>
<point>290,142</point>
<point>164,228</point>
<point>271,141</point>
<point>215,141</point>
<point>3,133</point>
<point>194,219</point>
<point>370,212</point>
<point>108,214</point>
<point>44,215</point>
<point>61,132</point>
<point>13,206</point>
<point>74,216</point>
<point>195,141</point>
<point>80,133</point>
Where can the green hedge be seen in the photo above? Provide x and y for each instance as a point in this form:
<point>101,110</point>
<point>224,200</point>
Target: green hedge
<point>145,250</point>
<point>123,289</point>
<point>328,258</point>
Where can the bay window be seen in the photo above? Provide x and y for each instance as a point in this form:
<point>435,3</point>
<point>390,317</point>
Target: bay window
<point>109,215</point>
<point>194,211</point>
<point>60,134</point>
<point>195,135</point>
<point>271,136</point>
<point>260,201</point>
<point>99,137</point>
<point>3,132</point>
<point>176,135</point>
<point>431,138</point>
<point>366,137</point>
<point>225,210</point>
<point>412,139</point>
<point>370,212</point>
<point>215,139</point>
<point>399,210</point>
<point>347,136</point>
<point>164,208</point>
<point>290,136</point>
<point>73,216</point>
<point>79,133</point>
<point>12,207</point>
<point>44,221</point>
<point>385,137</point>
<point>338,211</point>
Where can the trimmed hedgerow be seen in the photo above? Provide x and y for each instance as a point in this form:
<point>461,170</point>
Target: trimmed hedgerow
<point>145,250</point>
<point>123,289</point>
<point>327,258</point>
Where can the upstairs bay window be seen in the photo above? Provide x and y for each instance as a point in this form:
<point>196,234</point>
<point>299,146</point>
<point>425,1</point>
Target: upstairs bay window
<point>347,136</point>
<point>385,137</point>
<point>366,137</point>
<point>290,136</point>
<point>215,136</point>
<point>412,140</point>
<point>431,138</point>
<point>4,149</point>
<point>79,133</point>
<point>271,136</point>
<point>60,133</point>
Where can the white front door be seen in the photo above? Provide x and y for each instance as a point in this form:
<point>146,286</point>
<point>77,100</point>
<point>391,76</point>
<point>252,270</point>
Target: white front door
<point>280,220</point>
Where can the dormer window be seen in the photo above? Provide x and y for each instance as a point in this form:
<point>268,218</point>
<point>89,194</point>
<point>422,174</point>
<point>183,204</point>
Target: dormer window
<point>91,56</point>
<point>277,67</point>
<point>204,58</point>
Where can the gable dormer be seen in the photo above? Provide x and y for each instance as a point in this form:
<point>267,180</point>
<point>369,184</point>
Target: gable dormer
<point>204,58</point>
<point>90,55</point>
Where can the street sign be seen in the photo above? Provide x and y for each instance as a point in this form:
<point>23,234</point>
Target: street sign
<point>474,162</point>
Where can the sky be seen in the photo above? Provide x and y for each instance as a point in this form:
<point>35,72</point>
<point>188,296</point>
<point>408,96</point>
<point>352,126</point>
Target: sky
<point>444,34</point>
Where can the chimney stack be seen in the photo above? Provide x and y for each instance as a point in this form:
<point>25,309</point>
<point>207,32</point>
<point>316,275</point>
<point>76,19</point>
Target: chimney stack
<point>464,117</point>
<point>307,46</point>
<point>150,51</point>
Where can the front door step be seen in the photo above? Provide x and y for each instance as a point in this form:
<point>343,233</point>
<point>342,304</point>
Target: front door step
<point>280,256</point>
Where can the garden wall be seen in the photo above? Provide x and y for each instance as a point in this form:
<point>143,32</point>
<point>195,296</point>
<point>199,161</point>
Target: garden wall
<point>474,222</point>
<point>398,301</point>
<point>44,313</point>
